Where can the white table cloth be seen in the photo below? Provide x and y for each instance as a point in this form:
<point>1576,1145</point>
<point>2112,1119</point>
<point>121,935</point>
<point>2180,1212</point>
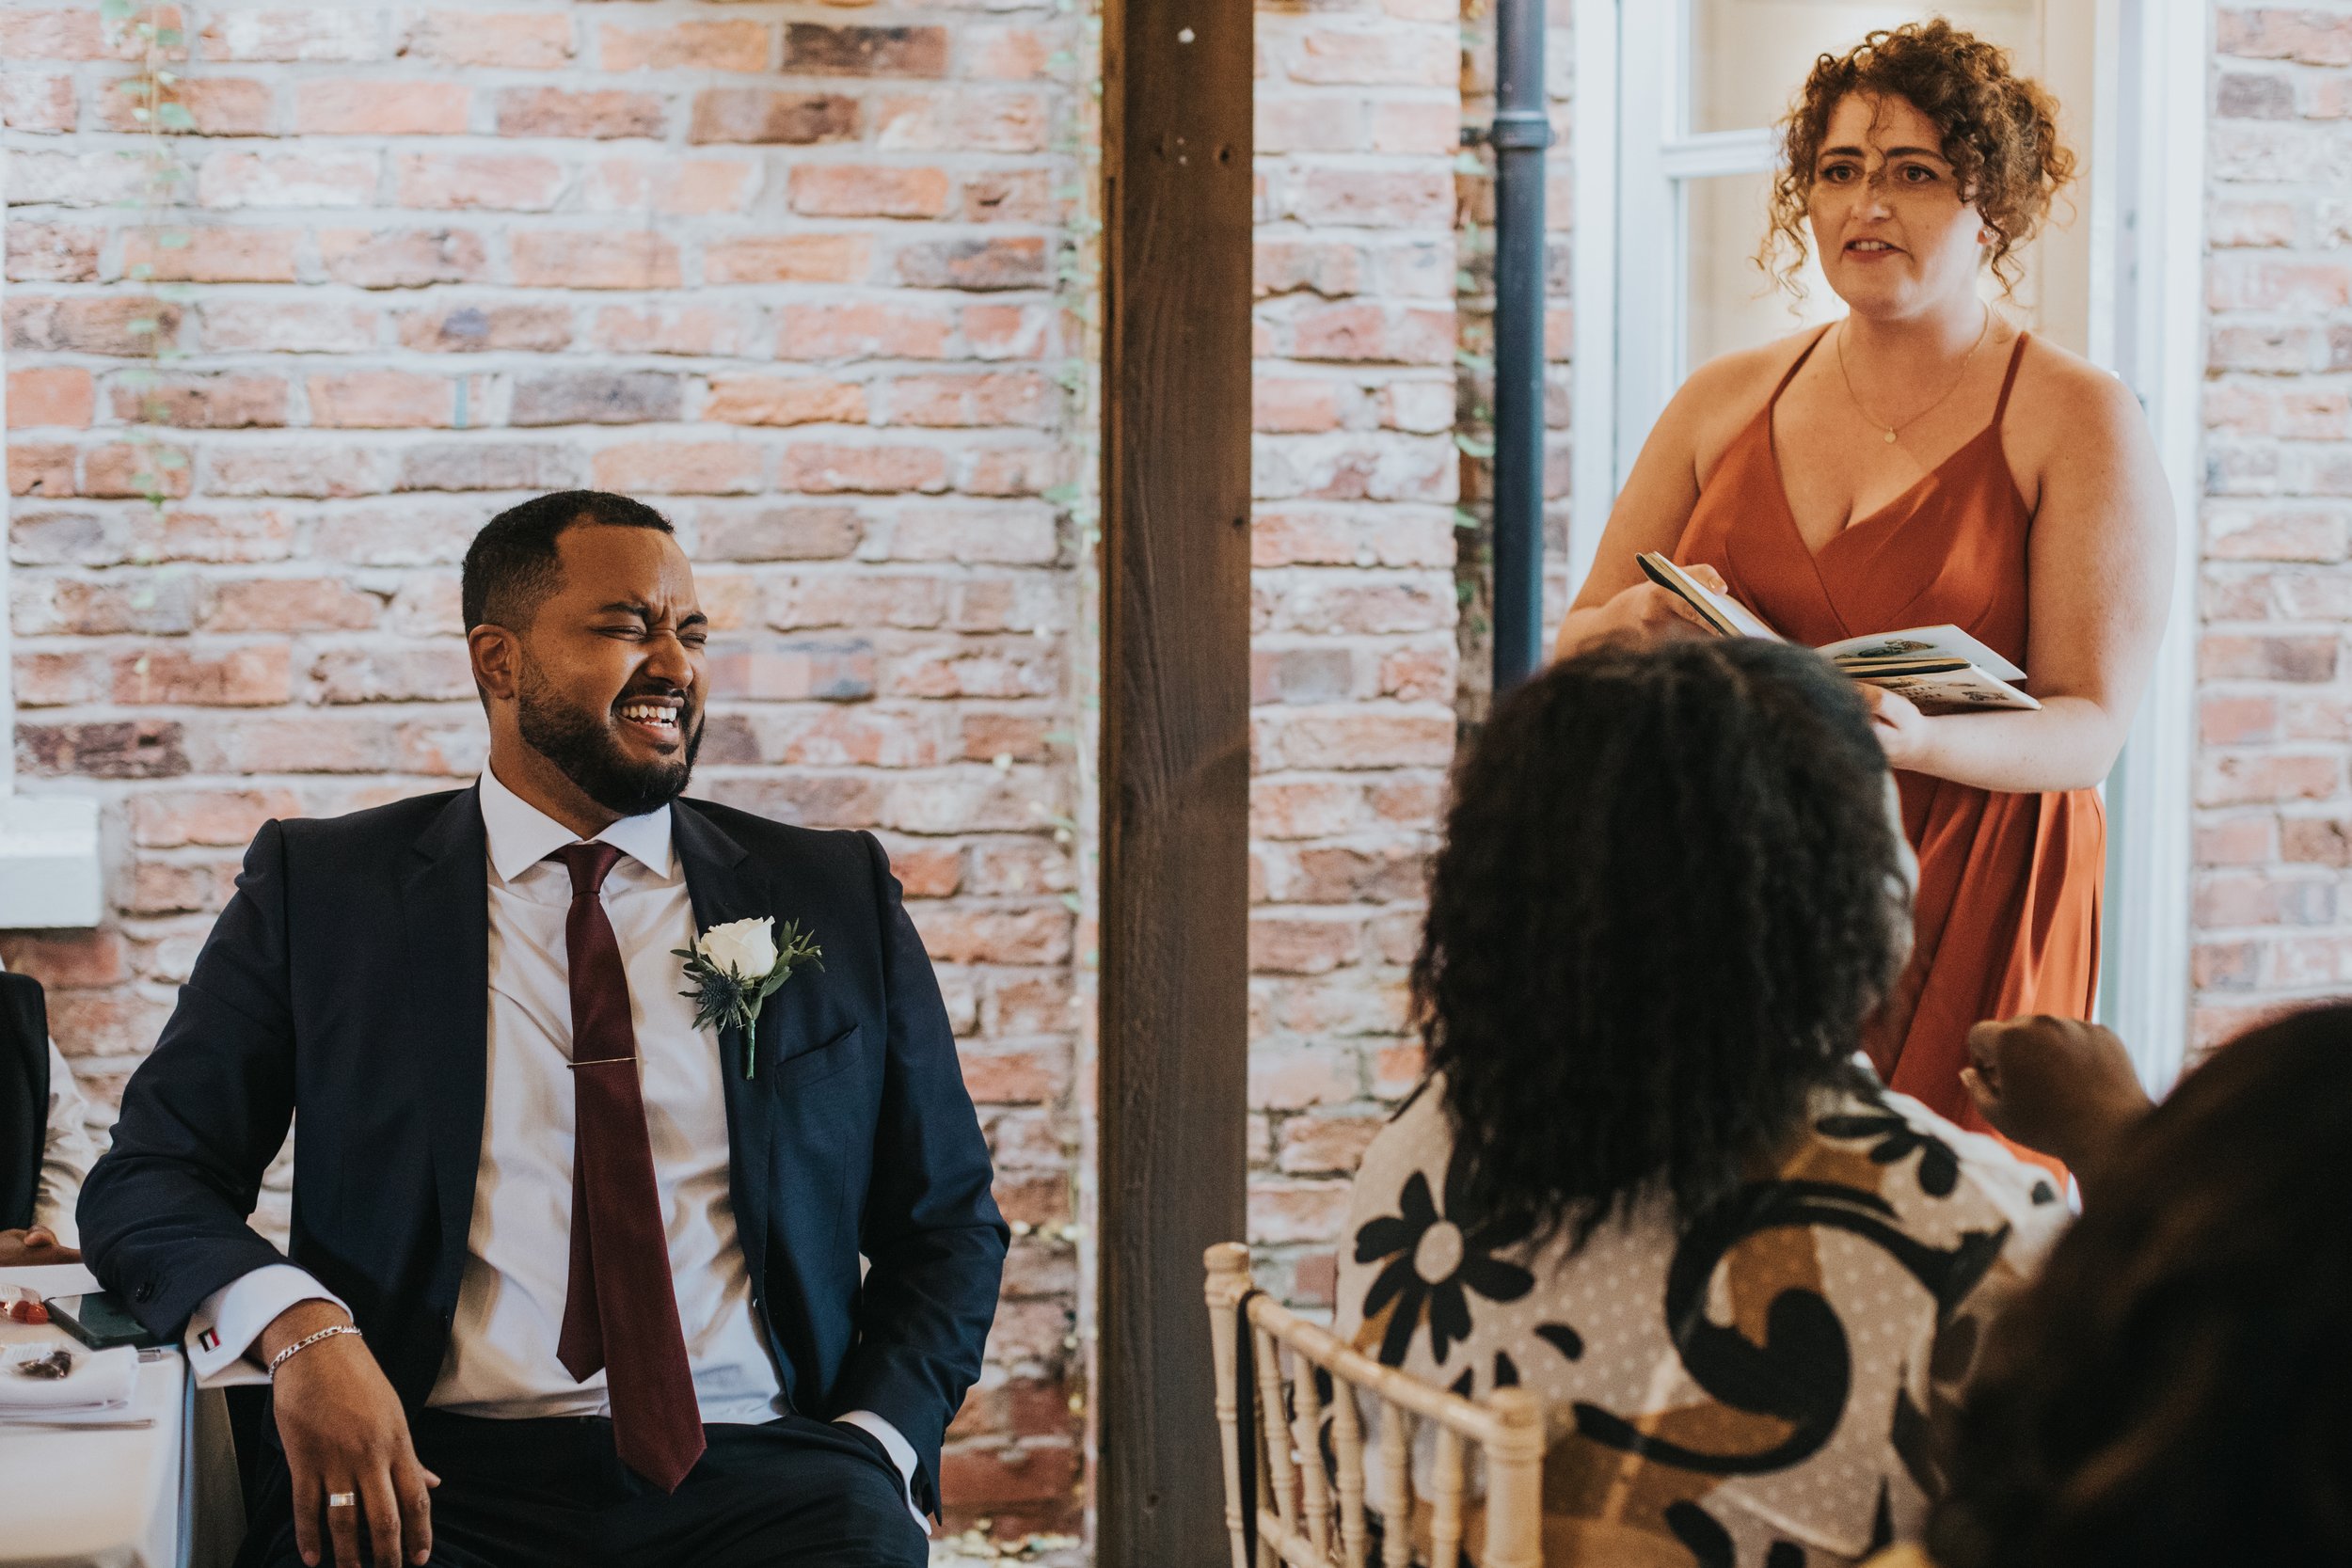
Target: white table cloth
<point>117,1498</point>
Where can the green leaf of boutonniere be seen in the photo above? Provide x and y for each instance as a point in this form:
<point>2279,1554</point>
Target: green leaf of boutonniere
<point>732,969</point>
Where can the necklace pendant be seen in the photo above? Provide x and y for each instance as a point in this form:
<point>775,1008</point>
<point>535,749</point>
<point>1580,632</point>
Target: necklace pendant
<point>1890,437</point>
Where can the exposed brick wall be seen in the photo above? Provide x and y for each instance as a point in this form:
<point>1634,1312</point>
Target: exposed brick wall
<point>788,271</point>
<point>2274,812</point>
<point>1353,660</point>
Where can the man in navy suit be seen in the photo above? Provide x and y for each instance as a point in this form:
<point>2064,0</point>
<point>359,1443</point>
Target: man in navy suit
<point>575,1275</point>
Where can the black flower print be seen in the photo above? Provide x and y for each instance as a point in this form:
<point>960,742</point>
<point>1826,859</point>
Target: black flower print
<point>1433,1263</point>
<point>1939,1168</point>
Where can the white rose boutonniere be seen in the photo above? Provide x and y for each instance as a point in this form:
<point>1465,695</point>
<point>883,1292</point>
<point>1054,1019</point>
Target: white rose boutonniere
<point>734,968</point>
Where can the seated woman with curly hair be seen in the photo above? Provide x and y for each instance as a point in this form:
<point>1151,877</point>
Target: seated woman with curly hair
<point>1648,1178</point>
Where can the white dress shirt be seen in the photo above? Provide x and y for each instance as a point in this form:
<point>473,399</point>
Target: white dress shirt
<point>501,1358</point>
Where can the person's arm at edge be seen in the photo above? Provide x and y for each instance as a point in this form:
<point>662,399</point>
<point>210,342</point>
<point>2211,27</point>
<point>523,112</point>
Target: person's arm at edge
<point>67,1154</point>
<point>2060,1085</point>
<point>930,1230</point>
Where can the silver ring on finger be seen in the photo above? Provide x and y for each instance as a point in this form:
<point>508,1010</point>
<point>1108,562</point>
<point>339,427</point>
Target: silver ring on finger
<point>342,1500</point>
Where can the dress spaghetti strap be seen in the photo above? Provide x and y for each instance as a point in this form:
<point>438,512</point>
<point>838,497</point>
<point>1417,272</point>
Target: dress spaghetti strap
<point>1790,373</point>
<point>2016,357</point>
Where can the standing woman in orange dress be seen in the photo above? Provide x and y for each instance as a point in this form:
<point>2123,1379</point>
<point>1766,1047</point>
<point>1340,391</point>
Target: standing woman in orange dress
<point>1922,461</point>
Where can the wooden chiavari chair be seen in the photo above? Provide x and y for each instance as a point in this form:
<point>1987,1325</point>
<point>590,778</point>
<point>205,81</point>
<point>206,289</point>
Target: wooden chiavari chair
<point>1289,1502</point>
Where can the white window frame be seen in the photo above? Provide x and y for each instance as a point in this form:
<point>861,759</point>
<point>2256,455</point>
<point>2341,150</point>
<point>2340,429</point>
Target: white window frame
<point>2147,324</point>
<point>49,862</point>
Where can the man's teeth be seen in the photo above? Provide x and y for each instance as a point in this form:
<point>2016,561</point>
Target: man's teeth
<point>650,713</point>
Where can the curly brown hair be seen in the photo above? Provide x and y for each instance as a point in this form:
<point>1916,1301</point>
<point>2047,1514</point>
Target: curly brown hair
<point>2000,130</point>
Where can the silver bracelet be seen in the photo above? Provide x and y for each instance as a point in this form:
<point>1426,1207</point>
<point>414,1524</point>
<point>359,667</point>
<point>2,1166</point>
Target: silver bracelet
<point>305,1342</point>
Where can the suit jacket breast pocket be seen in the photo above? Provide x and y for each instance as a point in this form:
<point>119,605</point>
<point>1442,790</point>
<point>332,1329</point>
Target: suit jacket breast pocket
<point>836,1056</point>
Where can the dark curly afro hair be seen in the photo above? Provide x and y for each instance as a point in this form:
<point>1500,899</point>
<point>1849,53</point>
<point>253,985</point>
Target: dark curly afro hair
<point>1671,891</point>
<point>2000,130</point>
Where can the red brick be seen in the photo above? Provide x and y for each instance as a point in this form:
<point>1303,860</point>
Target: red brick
<point>939,120</point>
<point>51,253</point>
<point>779,534</point>
<point>380,400</point>
<point>213,256</point>
<point>513,182</point>
<point>50,395</point>
<point>1279,405</point>
<point>234,536</point>
<point>362,108</point>
<point>310,34</point>
<point>695,329</point>
<point>734,45</point>
<point>289,605</point>
<point>836,670</point>
<point>1296,1210</point>
<point>595,397</point>
<point>490,465</point>
<point>39,468</point>
<point>1001,263</point>
<point>604,114</point>
<point>1009,196</point>
<point>111,604</point>
<point>142,468</point>
<point>683,186</point>
<point>473,327</point>
<point>69,960</point>
<point>517,40</point>
<point>814,49</point>
<point>600,259</point>
<point>130,749</point>
<point>964,933</point>
<point>1383,199</point>
<point>199,402</point>
<point>124,326</point>
<point>55,35</point>
<point>2311,37</point>
<point>679,469</point>
<point>286,180</point>
<point>2233,779</point>
<point>999,398</point>
<point>869,190</point>
<point>37,102</point>
<point>1012,53</point>
<point>268,326</point>
<point>1320,1145</point>
<point>765,115</point>
<point>2287,657</point>
<point>439,672</point>
<point>786,259</point>
<point>831,468</point>
<point>1009,331</point>
<point>170,819</point>
<point>296,468</point>
<point>784,400</point>
<point>258,676</point>
<point>215,106</point>
<point>403,257</point>
<point>1388,57</point>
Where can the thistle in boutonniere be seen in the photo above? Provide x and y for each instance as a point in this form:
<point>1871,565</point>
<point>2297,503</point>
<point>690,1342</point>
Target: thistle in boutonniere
<point>735,967</point>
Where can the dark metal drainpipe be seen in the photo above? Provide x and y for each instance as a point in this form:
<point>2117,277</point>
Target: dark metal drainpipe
<point>1522,128</point>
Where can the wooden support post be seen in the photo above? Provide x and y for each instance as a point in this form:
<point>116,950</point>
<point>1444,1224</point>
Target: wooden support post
<point>1175,785</point>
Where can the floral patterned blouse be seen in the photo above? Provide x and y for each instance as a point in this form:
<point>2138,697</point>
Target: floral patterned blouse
<point>1753,1390</point>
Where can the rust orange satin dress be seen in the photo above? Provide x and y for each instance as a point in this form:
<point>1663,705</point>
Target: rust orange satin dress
<point>2007,908</point>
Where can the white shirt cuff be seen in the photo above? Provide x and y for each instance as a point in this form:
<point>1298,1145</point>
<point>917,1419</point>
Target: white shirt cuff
<point>224,1323</point>
<point>901,1454</point>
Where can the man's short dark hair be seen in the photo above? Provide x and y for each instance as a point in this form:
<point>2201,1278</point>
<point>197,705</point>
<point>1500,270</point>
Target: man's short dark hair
<point>512,567</point>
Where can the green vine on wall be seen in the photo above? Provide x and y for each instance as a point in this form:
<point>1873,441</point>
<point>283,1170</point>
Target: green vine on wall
<point>151,91</point>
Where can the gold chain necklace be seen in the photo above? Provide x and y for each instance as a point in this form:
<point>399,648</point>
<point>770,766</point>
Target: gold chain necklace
<point>1894,429</point>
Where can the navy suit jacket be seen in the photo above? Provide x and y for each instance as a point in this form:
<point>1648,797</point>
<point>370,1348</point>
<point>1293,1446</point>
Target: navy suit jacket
<point>348,981</point>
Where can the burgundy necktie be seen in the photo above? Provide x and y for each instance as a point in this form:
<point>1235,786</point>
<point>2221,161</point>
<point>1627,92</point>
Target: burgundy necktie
<point>620,1313</point>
